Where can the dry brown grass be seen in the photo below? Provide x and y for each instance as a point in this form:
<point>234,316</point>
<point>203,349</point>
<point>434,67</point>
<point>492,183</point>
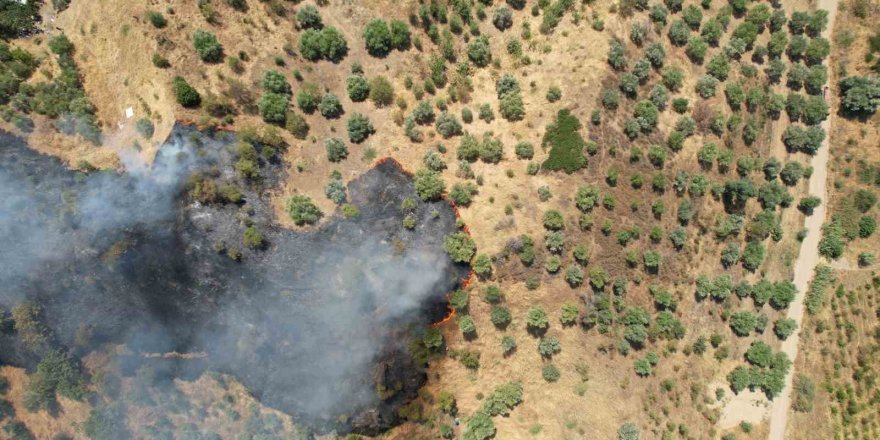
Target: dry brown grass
<point>43,425</point>
<point>118,74</point>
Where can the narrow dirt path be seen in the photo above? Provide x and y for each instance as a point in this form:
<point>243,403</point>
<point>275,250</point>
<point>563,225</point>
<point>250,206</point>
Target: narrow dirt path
<point>808,257</point>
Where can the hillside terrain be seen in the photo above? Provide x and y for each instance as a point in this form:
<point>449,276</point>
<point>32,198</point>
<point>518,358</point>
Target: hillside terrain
<point>662,220</point>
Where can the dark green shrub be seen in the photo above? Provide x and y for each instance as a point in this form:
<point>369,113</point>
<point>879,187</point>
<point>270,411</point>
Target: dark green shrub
<point>185,94</point>
<point>308,17</point>
<point>207,46</point>
<point>359,128</point>
<point>861,94</point>
<point>566,144</point>
<point>273,107</point>
<point>358,88</point>
<point>302,210</point>
<point>156,19</point>
<point>460,247</point>
<point>377,37</point>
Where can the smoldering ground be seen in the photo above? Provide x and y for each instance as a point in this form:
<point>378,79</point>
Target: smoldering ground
<point>312,323</point>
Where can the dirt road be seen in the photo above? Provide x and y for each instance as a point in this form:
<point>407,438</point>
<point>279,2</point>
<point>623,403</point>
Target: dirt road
<point>752,406</point>
<point>808,257</point>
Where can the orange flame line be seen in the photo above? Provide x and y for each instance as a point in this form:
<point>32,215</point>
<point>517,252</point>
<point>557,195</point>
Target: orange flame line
<point>465,282</point>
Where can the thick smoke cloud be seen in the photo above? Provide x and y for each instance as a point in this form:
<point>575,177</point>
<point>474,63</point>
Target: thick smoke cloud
<point>312,323</point>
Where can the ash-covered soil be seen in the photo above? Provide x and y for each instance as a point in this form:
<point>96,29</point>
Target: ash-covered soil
<point>313,323</point>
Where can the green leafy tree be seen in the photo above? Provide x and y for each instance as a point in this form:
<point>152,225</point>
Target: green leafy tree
<point>860,94</point>
<point>186,95</point>
<point>358,88</point>
<point>207,46</point>
<point>537,319</point>
<point>743,323</point>
<point>359,128</point>
<point>400,35</point>
<point>460,247</point>
<point>479,427</point>
<point>275,82</point>
<point>302,210</point>
<point>447,125</point>
<point>377,37</point>
<point>628,431</point>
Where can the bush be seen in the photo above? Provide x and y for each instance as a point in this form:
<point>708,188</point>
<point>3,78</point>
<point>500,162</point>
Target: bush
<point>566,144</point>
<point>335,191</point>
<point>804,393</point>
<point>156,19</point>
<point>753,255</point>
<point>502,18</point>
<point>574,276</point>
<point>784,327</point>
<point>460,247</point>
<point>743,323</point>
<point>310,44</point>
<point>861,94</point>
<point>550,373</point>
<point>429,184</point>
<point>537,319</point>
<point>447,125</point>
<point>381,91</point>
<point>706,86</point>
<point>308,98</point>
<point>145,127</point>
<point>273,107</point>
<point>553,220</point>
<point>655,54</point>
<point>274,82</point>
<point>296,125</point>
<point>423,113</point>
<point>359,128</point>
<point>332,44</point>
<point>462,193</point>
<point>479,51</point>
<point>358,88</point>
<point>673,77</point>
<point>17,18</point>
<point>479,427</point>
<point>503,399</point>
<point>466,325</point>
<point>308,17</point>
<point>696,49</point>
<point>330,107</point>
<point>548,346</point>
<point>832,243</point>
<point>806,140</point>
<point>628,431</point>
<point>303,211</point>
<point>617,55</point>
<point>679,33</point>
<point>207,46</point>
<point>185,94</point>
<point>809,203</point>
<point>336,150</point>
<point>864,200</point>
<point>867,226</point>
<point>554,94</point>
<point>57,373</point>
<point>817,50</point>
<point>253,238</point>
<point>377,37</point>
<point>524,150</point>
<point>500,316</point>
<point>400,35</point>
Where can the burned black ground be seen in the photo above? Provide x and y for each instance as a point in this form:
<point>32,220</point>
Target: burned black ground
<point>312,323</point>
